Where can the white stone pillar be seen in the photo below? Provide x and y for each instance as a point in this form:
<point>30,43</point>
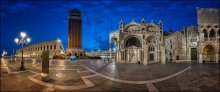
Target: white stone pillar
<point>145,57</point>
<point>122,55</point>
<point>200,57</point>
<point>116,57</point>
<point>163,58</point>
<point>155,56</point>
<point>139,55</point>
<point>128,53</point>
<point>119,56</point>
<point>216,56</point>
<point>208,35</point>
<point>199,36</point>
<point>125,56</point>
<point>189,54</point>
<point>110,49</point>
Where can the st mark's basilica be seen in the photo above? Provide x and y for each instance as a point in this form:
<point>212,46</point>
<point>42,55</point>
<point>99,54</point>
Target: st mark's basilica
<point>147,42</point>
<point>139,43</point>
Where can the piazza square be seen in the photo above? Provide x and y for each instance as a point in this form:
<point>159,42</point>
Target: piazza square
<point>110,46</point>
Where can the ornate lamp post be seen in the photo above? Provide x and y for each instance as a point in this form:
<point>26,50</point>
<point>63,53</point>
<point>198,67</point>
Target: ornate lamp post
<point>21,42</point>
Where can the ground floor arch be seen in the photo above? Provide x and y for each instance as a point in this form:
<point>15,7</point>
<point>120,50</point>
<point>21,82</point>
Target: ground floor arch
<point>208,53</point>
<point>133,54</point>
<point>133,50</point>
<point>113,47</point>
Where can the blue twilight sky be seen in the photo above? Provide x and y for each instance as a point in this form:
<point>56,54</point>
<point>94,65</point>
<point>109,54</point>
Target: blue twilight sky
<point>48,20</point>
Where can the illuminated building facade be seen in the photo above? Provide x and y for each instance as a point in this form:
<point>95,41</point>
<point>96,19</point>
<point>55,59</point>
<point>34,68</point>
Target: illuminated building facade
<point>146,43</point>
<point>138,43</point>
<point>35,50</point>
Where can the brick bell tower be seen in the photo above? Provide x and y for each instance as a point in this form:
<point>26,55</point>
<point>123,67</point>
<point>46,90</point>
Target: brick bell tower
<point>75,34</point>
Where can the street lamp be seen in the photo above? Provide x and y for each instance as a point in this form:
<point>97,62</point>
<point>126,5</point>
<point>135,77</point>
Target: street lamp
<point>21,42</point>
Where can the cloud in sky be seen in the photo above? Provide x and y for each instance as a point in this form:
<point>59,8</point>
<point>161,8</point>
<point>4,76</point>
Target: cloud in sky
<point>49,19</point>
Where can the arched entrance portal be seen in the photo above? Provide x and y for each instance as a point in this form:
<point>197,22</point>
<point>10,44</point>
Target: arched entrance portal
<point>113,48</point>
<point>209,53</point>
<point>133,50</point>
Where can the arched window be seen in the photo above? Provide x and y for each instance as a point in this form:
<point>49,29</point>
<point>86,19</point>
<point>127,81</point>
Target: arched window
<point>151,48</point>
<point>194,38</point>
<point>151,40</point>
<point>212,33</point>
<point>133,41</point>
<point>205,33</point>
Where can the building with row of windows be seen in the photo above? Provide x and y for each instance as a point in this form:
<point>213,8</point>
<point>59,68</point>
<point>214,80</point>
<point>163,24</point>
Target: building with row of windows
<point>148,43</point>
<point>182,45</point>
<point>35,50</point>
<point>209,34</point>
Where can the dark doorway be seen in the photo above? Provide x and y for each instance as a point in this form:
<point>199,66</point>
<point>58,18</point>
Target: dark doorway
<point>151,57</point>
<point>193,54</point>
<point>177,57</point>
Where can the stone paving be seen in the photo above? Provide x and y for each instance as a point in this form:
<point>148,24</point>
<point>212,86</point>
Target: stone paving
<point>97,75</point>
<point>201,77</point>
<point>136,72</point>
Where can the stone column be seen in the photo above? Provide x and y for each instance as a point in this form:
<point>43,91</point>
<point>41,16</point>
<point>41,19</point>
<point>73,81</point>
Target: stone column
<point>200,57</point>
<point>189,54</point>
<point>145,57</point>
<point>128,54</point>
<point>116,56</point>
<point>122,55</point>
<point>163,58</point>
<point>125,56</point>
<point>119,56</point>
<point>110,50</point>
<point>208,35</point>
<point>216,56</point>
<point>216,35</point>
<point>199,36</point>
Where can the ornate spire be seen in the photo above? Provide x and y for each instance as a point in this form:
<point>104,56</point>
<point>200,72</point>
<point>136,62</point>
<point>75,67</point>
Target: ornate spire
<point>160,22</point>
<point>152,21</point>
<point>121,24</point>
<point>121,21</point>
<point>143,21</point>
<point>132,20</point>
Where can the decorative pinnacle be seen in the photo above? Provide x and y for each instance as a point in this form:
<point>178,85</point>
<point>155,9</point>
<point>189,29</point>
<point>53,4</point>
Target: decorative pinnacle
<point>152,21</point>
<point>159,22</point>
<point>121,21</point>
<point>143,20</point>
<point>132,20</point>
